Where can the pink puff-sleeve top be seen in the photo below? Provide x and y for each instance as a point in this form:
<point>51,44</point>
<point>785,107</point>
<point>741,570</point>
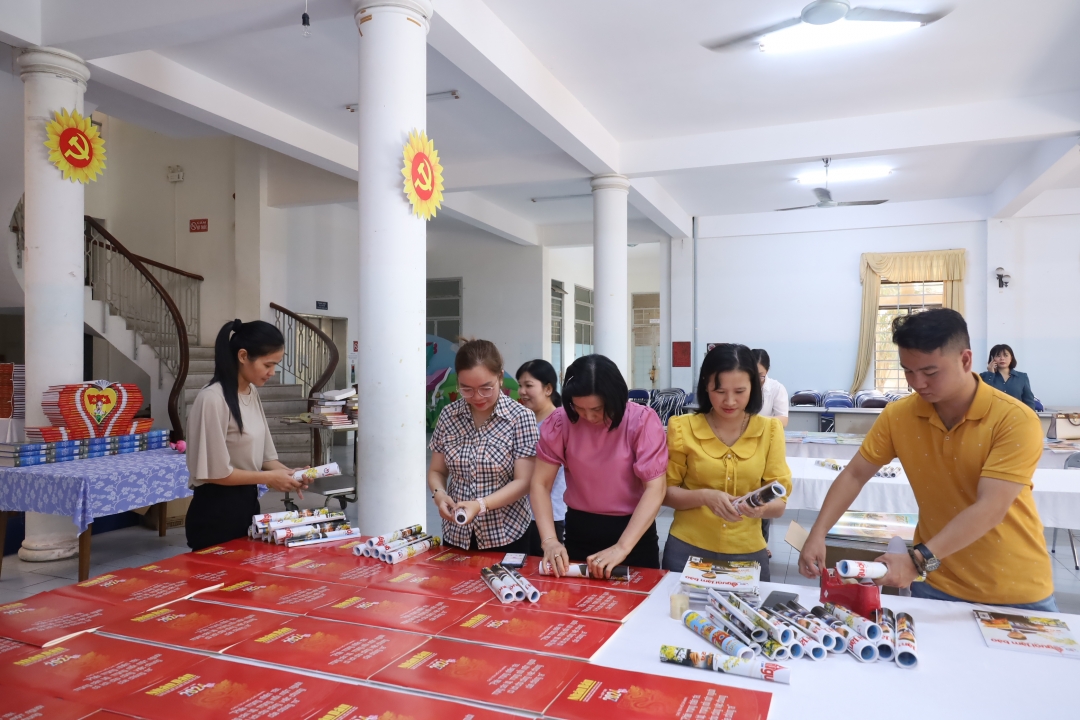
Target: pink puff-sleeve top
<point>606,470</point>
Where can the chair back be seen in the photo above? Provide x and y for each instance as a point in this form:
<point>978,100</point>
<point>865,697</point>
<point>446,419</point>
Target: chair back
<point>668,403</point>
<point>838,399</point>
<point>640,396</point>
<point>1073,461</point>
<point>806,398</point>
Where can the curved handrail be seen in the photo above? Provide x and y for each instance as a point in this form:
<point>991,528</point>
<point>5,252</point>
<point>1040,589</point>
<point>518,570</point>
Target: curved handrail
<point>163,266</point>
<point>181,326</point>
<point>331,366</point>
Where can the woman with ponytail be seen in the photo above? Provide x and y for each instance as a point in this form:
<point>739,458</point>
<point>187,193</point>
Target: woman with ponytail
<point>230,450</point>
<point>536,390</point>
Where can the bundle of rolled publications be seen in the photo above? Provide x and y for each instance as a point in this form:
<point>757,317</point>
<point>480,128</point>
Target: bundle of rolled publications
<point>508,585</point>
<point>729,664</point>
<point>887,636</point>
<point>762,496</point>
<point>885,471</point>
<point>581,570</point>
<point>740,577</point>
<point>315,473</point>
<point>301,527</point>
<point>398,546</point>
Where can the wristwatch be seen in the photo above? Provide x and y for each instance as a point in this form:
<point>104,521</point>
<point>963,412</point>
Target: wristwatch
<point>929,563</point>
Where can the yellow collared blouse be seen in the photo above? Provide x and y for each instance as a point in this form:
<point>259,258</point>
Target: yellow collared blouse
<point>699,460</point>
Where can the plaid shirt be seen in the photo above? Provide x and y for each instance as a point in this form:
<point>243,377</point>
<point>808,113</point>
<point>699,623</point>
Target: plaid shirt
<point>481,461</point>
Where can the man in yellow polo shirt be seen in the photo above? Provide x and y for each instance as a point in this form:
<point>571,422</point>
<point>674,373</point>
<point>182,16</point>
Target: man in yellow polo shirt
<point>969,452</point>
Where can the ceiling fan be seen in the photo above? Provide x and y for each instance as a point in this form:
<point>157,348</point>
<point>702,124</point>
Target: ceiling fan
<point>826,12</point>
<point>824,197</point>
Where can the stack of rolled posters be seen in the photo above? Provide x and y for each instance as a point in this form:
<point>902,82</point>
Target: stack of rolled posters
<point>383,550</point>
<point>719,662</point>
<point>264,526</point>
<point>505,590</point>
<point>531,593</point>
<point>775,630</point>
<point>812,626</point>
<point>411,531</point>
<point>863,649</point>
<point>859,569</point>
<point>317,472</point>
<point>805,645</point>
<point>762,496</point>
<point>886,620</point>
<point>864,626</point>
<point>330,530</point>
<point>907,656</point>
<point>706,628</point>
<point>411,550</point>
<point>581,570</point>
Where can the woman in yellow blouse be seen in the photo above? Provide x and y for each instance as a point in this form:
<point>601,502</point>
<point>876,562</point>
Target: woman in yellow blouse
<point>717,455</point>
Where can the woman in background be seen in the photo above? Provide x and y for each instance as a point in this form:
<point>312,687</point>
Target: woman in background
<point>229,448</point>
<point>615,457</point>
<point>1001,374</point>
<point>482,455</point>
<point>774,397</point>
<point>536,390</point>
<point>724,451</point>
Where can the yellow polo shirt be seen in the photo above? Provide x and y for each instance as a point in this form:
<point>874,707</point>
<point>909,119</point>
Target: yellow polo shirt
<point>698,460</point>
<point>999,437</point>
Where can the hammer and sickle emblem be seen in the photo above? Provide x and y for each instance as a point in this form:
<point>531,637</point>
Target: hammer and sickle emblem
<point>424,172</point>
<point>78,148</point>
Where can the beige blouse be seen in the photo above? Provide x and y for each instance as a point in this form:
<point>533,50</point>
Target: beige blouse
<point>215,446</point>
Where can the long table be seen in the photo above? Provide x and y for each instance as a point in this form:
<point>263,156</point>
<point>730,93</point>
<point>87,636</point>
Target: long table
<point>1050,459</point>
<point>957,675</point>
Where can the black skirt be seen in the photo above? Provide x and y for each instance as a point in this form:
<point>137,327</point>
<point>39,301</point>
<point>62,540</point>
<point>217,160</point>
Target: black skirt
<point>220,513</point>
<point>589,533</point>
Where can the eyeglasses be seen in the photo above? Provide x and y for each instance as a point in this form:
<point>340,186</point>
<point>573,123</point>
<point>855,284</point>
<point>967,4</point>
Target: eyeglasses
<point>485,392</point>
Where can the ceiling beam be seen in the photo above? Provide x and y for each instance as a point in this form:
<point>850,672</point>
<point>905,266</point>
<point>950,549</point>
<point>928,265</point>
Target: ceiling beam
<point>1050,161</point>
<point>470,208</point>
<point>654,201</point>
<point>1013,120</point>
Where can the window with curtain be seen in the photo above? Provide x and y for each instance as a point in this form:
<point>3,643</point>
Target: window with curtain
<point>897,299</point>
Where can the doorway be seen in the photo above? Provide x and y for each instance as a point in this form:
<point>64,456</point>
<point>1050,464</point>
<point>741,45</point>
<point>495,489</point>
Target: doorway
<point>338,330</point>
<point>646,340</point>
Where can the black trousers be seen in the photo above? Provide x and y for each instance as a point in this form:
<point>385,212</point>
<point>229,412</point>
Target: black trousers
<point>220,513</point>
<point>536,542</point>
<point>521,545</point>
<point>589,533</point>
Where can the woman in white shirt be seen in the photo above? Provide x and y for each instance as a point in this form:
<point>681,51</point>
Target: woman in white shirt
<point>536,390</point>
<point>774,394</point>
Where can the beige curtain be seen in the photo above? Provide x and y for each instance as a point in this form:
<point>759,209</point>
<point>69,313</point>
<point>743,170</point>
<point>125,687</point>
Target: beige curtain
<point>945,265</point>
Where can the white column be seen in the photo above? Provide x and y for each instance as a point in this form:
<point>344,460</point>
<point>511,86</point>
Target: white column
<point>611,301</point>
<point>391,364</point>
<point>53,265</point>
<point>664,380</point>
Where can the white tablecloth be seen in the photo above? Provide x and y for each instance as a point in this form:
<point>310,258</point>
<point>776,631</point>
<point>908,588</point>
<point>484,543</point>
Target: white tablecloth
<point>1049,460</point>
<point>958,677</point>
<point>1056,492</point>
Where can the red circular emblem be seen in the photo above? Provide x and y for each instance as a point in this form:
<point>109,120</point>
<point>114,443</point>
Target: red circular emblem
<point>76,147</point>
<point>422,176</point>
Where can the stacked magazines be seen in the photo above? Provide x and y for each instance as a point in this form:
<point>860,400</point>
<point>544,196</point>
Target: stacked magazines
<point>41,453</point>
<point>738,577</point>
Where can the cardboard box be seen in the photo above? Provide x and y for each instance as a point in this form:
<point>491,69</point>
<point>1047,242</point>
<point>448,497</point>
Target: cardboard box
<point>175,512</point>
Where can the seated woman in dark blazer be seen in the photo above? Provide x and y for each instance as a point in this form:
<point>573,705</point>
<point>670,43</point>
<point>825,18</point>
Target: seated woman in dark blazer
<point>1002,375</point>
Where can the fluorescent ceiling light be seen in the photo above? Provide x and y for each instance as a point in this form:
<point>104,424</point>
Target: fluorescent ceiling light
<point>842,32</point>
<point>842,174</point>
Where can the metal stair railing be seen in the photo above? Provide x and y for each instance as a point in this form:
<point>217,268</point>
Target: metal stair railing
<point>159,303</point>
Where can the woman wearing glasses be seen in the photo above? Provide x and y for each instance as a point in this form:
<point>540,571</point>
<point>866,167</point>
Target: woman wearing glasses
<point>482,455</point>
<point>615,456</point>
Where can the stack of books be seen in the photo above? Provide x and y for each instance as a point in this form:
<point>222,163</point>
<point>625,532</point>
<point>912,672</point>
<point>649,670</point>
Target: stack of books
<point>12,391</point>
<point>39,452</point>
<point>329,410</point>
<point>739,577</point>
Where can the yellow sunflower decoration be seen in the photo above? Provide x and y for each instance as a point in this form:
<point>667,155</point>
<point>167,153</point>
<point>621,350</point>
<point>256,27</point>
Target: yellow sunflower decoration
<point>75,147</point>
<point>423,175</point>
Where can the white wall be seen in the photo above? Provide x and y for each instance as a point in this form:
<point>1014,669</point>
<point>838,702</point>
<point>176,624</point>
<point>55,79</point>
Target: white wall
<point>798,295</point>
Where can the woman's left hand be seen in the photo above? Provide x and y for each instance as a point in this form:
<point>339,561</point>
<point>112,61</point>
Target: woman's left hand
<point>601,563</point>
<point>471,507</point>
<point>757,513</point>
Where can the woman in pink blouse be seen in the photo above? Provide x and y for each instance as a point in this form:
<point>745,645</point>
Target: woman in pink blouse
<point>615,456</point>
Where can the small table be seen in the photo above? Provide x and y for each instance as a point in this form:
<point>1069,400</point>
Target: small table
<point>86,489</point>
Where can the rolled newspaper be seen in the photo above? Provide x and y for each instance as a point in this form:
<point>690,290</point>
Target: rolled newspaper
<point>839,642</point>
<point>306,531</point>
<point>864,626</point>
<point>396,535</point>
<point>774,650</point>
<point>777,630</point>
<point>886,620</point>
<point>497,585</point>
<point>854,643</point>
<point>907,655</point>
<point>411,551</point>
<point>317,472</point>
<point>860,569</point>
<point>704,627</point>
<point>727,624</point>
<point>531,593</point>
<point>762,496</point>
<point>324,537</point>
<point>818,631</point>
<point>385,552</point>
<point>506,577</point>
<point>806,642</point>
<point>581,570</point>
<point>719,662</point>
<point>267,518</point>
<point>757,633</point>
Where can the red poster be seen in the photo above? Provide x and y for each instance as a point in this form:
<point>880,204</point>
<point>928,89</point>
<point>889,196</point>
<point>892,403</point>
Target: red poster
<point>480,673</point>
<point>195,625</point>
<point>397,611</point>
<point>279,593</point>
<point>591,601</point>
<point>341,547</point>
<point>348,702</point>
<point>91,669</point>
<point>187,567</point>
<point>641,580</point>
<point>27,704</point>
<point>680,353</point>
<point>134,589</point>
<point>341,569</point>
<point>250,554</point>
<point>10,646</point>
<point>355,651</point>
<point>461,560</point>
<point>519,627</point>
<point>433,582</point>
<point>221,690</point>
<point>606,692</point>
<point>47,617</point>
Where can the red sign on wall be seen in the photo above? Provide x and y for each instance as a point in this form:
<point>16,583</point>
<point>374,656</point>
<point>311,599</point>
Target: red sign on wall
<point>200,225</point>
<point>680,354</point>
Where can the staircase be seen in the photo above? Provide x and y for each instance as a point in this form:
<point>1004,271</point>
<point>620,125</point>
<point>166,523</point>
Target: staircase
<point>293,442</point>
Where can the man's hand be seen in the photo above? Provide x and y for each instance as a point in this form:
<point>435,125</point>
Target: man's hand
<point>721,504</point>
<point>812,557</point>
<point>902,570</point>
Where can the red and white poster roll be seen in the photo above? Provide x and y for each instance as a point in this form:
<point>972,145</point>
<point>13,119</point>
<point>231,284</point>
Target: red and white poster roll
<point>396,535</point>
<point>328,470</point>
<point>907,654</point>
<point>861,569</point>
